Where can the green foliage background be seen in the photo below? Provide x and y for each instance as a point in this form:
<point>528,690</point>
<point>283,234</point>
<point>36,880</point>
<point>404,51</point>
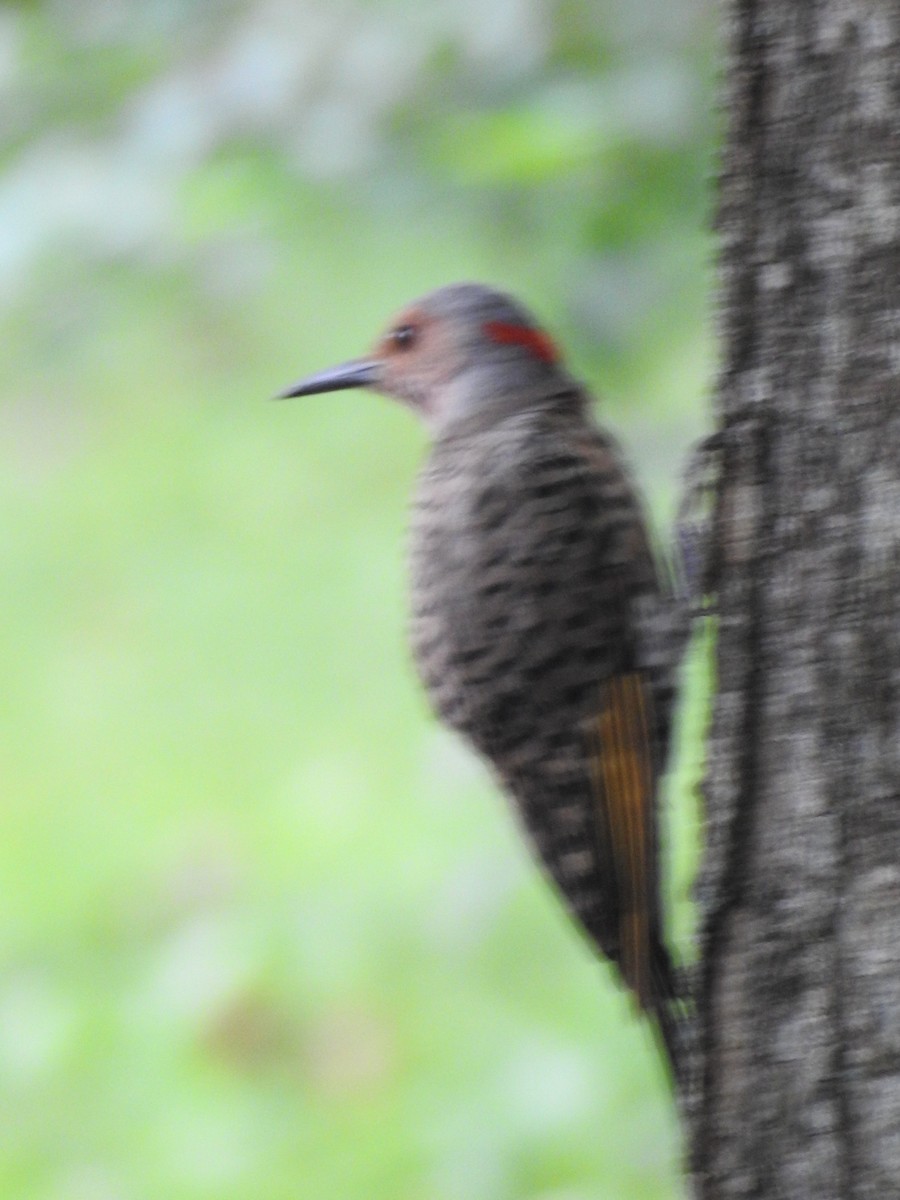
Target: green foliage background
<point>265,931</point>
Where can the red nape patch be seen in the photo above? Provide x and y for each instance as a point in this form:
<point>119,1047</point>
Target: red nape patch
<point>533,340</point>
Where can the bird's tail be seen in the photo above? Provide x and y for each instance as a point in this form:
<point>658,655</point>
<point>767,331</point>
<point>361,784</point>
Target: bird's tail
<point>670,1016</point>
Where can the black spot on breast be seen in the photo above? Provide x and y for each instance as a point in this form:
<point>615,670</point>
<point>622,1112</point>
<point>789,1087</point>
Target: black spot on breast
<point>495,559</point>
<point>550,487</point>
<point>574,694</point>
<point>542,667</point>
<point>497,588</point>
<point>466,658</point>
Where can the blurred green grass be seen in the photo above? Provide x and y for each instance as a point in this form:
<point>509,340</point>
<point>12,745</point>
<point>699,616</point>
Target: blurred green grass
<point>265,930</point>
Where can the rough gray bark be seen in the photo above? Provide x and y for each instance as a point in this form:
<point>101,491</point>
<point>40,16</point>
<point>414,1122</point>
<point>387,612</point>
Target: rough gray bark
<point>799,996</point>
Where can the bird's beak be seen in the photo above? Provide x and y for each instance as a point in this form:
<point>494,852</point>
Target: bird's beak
<point>357,373</point>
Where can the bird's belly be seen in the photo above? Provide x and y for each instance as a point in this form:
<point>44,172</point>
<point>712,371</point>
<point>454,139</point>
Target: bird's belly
<point>507,657</point>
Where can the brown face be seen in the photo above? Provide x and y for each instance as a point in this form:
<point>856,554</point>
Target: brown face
<point>436,340</point>
<point>417,355</point>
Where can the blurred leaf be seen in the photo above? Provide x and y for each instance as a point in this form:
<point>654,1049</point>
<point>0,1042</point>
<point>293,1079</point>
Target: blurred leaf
<point>513,146</point>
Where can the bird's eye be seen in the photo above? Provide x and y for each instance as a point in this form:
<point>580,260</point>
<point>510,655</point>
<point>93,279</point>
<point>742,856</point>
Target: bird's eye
<point>404,336</point>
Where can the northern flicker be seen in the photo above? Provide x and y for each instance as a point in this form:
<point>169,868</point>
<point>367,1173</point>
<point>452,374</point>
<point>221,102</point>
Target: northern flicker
<point>541,625</point>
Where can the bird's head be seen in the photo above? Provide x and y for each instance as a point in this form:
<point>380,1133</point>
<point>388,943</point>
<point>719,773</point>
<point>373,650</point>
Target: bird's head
<point>463,352</point>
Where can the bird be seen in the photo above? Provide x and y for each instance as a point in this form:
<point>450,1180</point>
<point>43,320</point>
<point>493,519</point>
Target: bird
<point>542,622</point>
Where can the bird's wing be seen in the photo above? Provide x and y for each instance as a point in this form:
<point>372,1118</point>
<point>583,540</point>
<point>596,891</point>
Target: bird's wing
<point>622,776</point>
<point>626,742</point>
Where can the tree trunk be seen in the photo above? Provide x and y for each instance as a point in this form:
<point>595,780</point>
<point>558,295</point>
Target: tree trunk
<point>799,996</point>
